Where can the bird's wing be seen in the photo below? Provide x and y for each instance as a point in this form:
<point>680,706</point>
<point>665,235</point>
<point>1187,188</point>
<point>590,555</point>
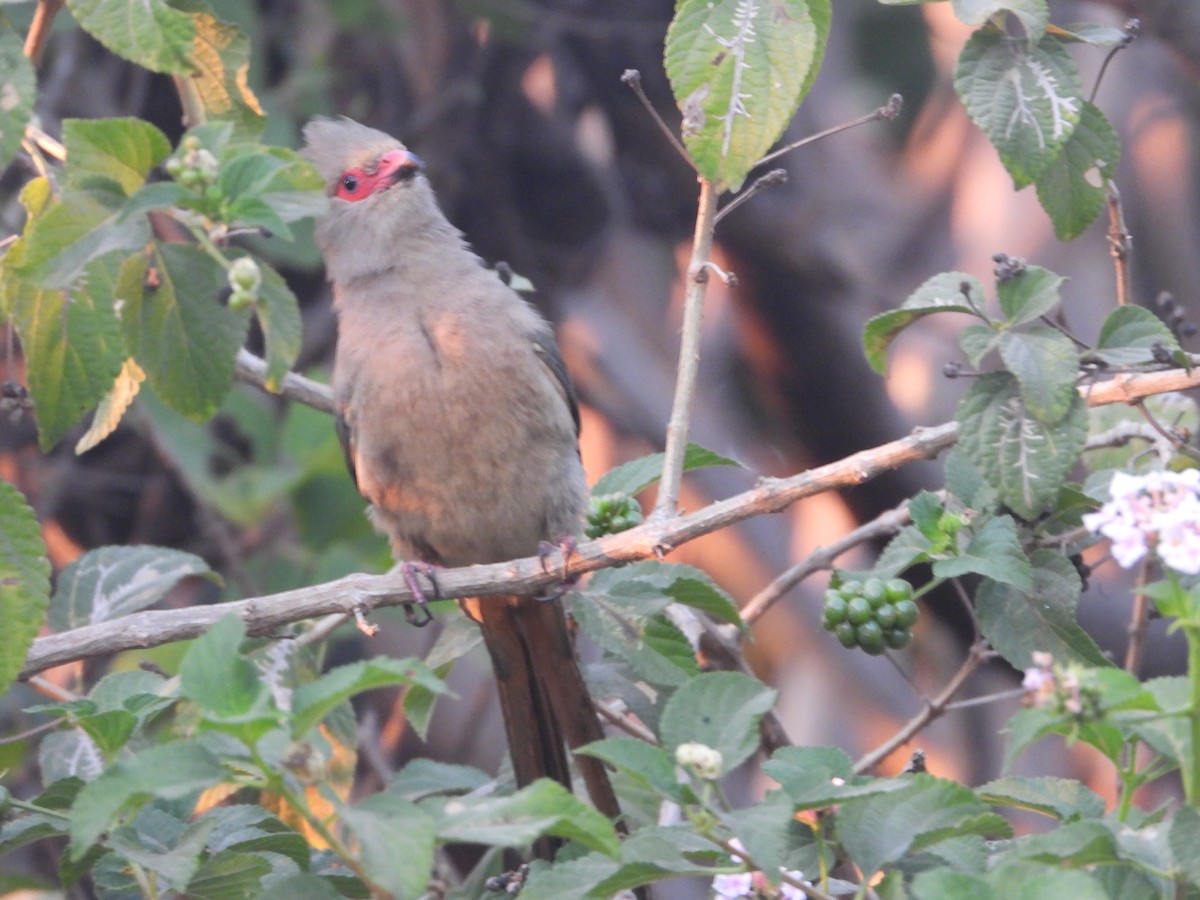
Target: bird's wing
<point>546,350</point>
<point>345,433</point>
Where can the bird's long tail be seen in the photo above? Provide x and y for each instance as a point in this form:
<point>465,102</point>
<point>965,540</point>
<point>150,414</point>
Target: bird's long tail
<point>545,702</point>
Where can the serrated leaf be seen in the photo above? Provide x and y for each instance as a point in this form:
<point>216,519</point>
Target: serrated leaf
<point>738,69</point>
<point>1018,622</point>
<point>881,829</point>
<point>769,831</point>
<point>680,582</point>
<point>941,293</point>
<point>1026,98</point>
<point>1028,295</point>
<point>1023,458</point>
<point>977,341</point>
<point>180,333</point>
<point>111,582</point>
<point>1046,364</point>
<point>1073,188</point>
<point>312,701</point>
<point>544,807</point>
<point>230,876</point>
<point>70,754</point>
<point>118,152</point>
<point>908,547</point>
<point>720,710</point>
<point>1185,842</point>
<point>1060,798</point>
<point>937,884</point>
<point>925,509</point>
<point>1078,843</point>
<point>18,91</point>
<point>994,552</point>
<point>396,841</point>
<point>173,858</point>
<point>646,764</point>
<point>218,73</point>
<point>167,771</point>
<point>421,778</point>
<point>638,474</point>
<point>278,314</point>
<point>112,406</point>
<point>288,185</point>
<point>1033,14</point>
<point>1130,334</point>
<point>251,828</point>
<point>24,580</point>
<point>148,32</point>
<point>228,688</point>
<point>1037,881</point>
<point>655,653</point>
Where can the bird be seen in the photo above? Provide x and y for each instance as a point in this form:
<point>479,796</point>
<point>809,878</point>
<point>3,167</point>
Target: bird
<point>460,427</point>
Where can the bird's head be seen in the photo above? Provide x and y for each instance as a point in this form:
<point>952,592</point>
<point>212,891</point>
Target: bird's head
<point>379,200</point>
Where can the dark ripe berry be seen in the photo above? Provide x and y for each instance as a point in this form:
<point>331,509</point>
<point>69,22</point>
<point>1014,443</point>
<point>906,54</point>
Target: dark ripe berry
<point>875,593</point>
<point>897,638</point>
<point>858,610</point>
<point>907,614</point>
<point>886,616</point>
<point>898,589</point>
<point>870,638</point>
<point>846,634</point>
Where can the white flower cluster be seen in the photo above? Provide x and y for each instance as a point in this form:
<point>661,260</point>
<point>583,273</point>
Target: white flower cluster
<point>1159,511</point>
<point>749,884</point>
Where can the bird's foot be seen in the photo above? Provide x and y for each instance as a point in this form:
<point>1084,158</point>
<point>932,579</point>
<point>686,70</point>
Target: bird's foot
<point>409,572</point>
<point>566,546</point>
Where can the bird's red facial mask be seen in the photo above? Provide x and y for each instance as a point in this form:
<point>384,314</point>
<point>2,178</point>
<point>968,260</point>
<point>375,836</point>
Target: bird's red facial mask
<point>394,166</point>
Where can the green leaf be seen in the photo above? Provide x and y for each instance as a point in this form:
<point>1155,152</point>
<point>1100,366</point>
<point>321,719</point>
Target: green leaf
<point>656,649</point>
<point>1046,364</point>
<point>938,884</point>
<point>226,685</point>
<point>1073,188</point>
<point>219,69</point>
<point>1129,335</point>
<point>1019,621</point>
<point>148,32</point>
<point>977,341</point>
<point>1185,842</point>
<point>173,858</point>
<point>1036,881</point>
<point>720,710</point>
<point>881,829</point>
<point>1023,458</point>
<point>1026,98</point>
<point>1059,798</point>
<point>167,771</point>
<point>1028,295</point>
<point>638,474</point>
<point>645,764</point>
<point>250,828</point>
<point>278,315</point>
<point>770,831</point>
<point>925,509</point>
<point>946,292</point>
<point>738,71</point>
<point>994,552</point>
<point>111,582</point>
<point>396,841</point>
<point>314,700</point>
<point>1078,843</point>
<point>816,777</point>
<point>421,778</point>
<point>544,807</point>
<point>180,333</point>
<point>1032,14</point>
<point>18,88</point>
<point>116,152</point>
<point>230,876</point>
<point>682,583</point>
<point>24,580</point>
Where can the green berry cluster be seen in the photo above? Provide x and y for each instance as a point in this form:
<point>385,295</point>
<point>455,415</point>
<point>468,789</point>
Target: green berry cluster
<point>610,513</point>
<point>193,166</point>
<point>871,614</point>
<point>245,278</point>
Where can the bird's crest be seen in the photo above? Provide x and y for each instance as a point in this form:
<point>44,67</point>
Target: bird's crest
<point>335,145</point>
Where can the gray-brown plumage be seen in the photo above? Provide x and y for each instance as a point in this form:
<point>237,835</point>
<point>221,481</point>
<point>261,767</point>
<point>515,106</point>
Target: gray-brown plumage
<point>459,424</point>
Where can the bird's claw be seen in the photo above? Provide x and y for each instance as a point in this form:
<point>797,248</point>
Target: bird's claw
<point>417,612</point>
<point>566,546</point>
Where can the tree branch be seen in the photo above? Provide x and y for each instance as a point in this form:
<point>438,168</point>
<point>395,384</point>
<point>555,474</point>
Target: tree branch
<point>250,369</point>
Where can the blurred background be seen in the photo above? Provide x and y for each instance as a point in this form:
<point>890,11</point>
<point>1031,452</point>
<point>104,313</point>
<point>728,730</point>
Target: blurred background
<point>547,162</point>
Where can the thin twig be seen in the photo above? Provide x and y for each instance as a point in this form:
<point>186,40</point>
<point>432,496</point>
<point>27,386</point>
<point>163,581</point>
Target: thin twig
<point>1174,440</point>
<point>986,699</point>
<point>689,352</point>
<point>1120,243</point>
<point>1138,619</point>
<point>884,525</point>
<point>889,110</point>
<point>609,713</point>
<point>39,29</point>
<point>1132,29</point>
<point>633,78</point>
<point>775,176</point>
<point>30,732</point>
<point>976,656</point>
<point>253,370</point>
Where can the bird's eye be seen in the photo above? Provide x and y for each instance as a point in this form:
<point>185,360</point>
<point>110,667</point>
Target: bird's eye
<point>349,184</point>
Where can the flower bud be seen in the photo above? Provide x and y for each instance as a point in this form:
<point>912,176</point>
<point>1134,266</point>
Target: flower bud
<point>701,759</point>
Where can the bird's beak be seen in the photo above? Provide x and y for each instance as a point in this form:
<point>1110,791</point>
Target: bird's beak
<point>399,165</point>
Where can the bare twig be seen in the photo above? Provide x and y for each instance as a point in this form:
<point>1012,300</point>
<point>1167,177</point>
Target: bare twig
<point>1132,29</point>
<point>1176,442</point>
<point>263,615</point>
<point>1138,618</point>
<point>889,110</point>
<point>39,29</point>
<point>883,525</point>
<point>689,353</point>
<point>977,656</point>
<point>1120,243</point>
<point>633,78</point>
<point>253,370</point>
<point>610,713</point>
<point>773,177</point>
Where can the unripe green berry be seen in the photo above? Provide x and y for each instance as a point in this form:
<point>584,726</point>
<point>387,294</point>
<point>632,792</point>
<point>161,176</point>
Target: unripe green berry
<point>898,589</point>
<point>244,274</point>
<point>846,634</point>
<point>874,592</point>
<point>851,588</point>
<point>241,300</point>
<point>907,613</point>
<point>897,638</point>
<point>835,608</point>
<point>858,610</point>
<point>870,638</point>
<point>886,616</point>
